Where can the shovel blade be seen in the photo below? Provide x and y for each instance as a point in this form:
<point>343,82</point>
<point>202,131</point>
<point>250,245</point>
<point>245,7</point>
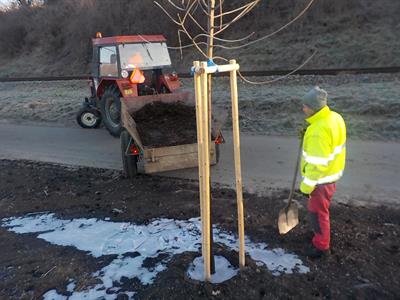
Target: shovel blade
<point>288,218</point>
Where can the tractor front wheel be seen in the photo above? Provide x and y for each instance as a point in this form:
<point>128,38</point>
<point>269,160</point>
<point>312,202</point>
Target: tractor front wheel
<point>129,162</point>
<point>110,106</point>
<point>88,117</point>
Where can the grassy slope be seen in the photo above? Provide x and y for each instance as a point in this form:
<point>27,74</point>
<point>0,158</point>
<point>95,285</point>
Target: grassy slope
<point>368,103</point>
<point>56,40</point>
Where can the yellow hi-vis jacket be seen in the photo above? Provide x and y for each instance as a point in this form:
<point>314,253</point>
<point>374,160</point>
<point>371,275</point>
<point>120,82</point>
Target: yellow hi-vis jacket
<point>324,150</point>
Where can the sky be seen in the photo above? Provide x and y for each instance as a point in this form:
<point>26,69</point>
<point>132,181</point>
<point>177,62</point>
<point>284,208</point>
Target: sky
<point>4,2</point>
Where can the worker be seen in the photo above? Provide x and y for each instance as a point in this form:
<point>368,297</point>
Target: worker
<point>136,60</point>
<point>323,162</point>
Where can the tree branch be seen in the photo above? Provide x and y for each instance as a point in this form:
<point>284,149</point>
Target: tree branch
<point>276,31</point>
<point>279,78</point>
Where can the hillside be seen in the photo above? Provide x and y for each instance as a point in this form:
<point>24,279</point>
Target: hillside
<point>55,39</point>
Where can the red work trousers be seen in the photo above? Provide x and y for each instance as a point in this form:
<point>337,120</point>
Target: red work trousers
<point>318,207</point>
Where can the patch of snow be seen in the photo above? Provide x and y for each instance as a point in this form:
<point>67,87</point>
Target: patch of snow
<point>164,237</point>
<point>223,270</point>
<point>276,260</point>
<point>71,286</point>
<point>34,223</point>
<point>130,268</point>
<point>96,293</point>
<point>53,295</point>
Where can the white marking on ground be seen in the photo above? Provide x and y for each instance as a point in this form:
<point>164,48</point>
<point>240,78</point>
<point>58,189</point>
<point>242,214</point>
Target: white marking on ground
<point>160,240</point>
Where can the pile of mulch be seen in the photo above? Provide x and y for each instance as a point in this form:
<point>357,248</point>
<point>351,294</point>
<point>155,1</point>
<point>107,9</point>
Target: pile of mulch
<point>166,124</point>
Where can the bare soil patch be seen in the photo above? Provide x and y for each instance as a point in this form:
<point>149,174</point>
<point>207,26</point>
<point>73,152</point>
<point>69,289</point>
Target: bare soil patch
<point>365,262</point>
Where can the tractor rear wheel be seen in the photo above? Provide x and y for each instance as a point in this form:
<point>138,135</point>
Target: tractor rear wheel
<point>129,162</point>
<point>110,106</point>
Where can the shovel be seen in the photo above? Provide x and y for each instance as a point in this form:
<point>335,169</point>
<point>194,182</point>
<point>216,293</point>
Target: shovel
<point>289,215</point>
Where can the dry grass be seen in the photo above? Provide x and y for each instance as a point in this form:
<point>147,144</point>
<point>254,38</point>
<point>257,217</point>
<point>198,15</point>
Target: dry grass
<point>55,39</point>
<point>369,103</point>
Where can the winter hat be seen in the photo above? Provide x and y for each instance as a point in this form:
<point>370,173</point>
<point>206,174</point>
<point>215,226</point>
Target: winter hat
<point>316,98</point>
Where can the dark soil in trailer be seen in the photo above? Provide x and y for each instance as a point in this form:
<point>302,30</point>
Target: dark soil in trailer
<point>161,124</point>
<point>365,263</point>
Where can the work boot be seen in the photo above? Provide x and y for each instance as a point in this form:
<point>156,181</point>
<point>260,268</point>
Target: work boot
<point>313,252</point>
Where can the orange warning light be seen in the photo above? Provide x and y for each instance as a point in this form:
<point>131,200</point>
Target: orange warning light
<point>98,35</point>
<point>137,76</point>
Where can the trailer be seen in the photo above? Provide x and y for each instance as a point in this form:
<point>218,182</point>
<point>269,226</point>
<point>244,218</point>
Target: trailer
<point>141,157</point>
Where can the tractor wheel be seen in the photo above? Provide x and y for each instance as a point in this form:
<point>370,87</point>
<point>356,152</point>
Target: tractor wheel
<point>110,106</point>
<point>88,118</point>
<point>129,162</point>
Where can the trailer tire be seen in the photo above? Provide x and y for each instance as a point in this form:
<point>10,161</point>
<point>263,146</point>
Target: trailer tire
<point>110,106</point>
<point>129,162</point>
<point>217,153</point>
<point>88,117</point>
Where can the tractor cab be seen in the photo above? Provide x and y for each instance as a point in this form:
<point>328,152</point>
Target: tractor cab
<point>125,66</point>
<point>119,57</point>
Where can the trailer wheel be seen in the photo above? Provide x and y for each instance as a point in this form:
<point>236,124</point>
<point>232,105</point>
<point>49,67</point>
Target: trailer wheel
<point>217,153</point>
<point>129,162</point>
<point>110,106</point>
<point>88,118</point>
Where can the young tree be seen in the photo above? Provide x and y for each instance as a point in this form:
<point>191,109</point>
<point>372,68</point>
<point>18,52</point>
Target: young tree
<point>205,22</point>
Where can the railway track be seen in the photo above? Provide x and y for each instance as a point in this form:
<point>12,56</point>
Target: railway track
<point>245,73</point>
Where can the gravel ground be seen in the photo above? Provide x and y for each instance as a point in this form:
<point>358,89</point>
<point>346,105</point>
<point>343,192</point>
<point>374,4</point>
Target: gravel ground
<point>369,103</point>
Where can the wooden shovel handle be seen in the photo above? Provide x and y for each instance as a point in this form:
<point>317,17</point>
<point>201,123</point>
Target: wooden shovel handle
<point>296,170</point>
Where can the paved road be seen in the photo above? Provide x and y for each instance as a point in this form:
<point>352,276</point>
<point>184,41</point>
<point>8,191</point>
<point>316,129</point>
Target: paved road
<point>372,175</point>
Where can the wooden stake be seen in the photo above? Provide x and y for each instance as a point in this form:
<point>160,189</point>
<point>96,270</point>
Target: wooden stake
<point>238,171</point>
<point>206,177</point>
<point>199,105</point>
<point>203,140</point>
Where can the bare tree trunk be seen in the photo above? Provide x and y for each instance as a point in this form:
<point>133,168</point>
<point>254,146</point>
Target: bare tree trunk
<point>210,50</point>
<point>210,54</point>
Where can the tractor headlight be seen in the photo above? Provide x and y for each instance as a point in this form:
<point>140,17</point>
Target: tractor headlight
<point>124,74</point>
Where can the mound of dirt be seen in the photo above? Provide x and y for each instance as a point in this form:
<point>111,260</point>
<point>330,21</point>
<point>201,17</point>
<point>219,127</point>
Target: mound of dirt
<point>161,124</point>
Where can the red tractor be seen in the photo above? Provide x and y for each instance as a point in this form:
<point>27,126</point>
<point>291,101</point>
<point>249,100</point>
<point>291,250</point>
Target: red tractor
<point>125,67</point>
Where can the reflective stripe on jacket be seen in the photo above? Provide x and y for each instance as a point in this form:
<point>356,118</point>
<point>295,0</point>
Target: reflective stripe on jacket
<point>324,149</point>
